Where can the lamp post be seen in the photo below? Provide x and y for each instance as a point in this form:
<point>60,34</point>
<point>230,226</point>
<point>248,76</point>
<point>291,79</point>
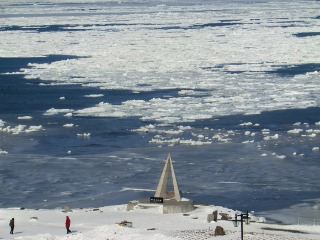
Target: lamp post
<point>243,216</point>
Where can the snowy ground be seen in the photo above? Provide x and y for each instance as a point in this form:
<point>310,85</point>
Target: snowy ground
<point>148,223</point>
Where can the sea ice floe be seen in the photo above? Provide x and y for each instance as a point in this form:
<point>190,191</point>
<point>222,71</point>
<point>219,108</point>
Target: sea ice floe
<point>246,124</point>
<point>276,136</point>
<point>34,128</point>
<point>133,59</point>
<point>68,125</point>
<point>295,131</point>
<point>94,95</point>
<point>184,127</point>
<point>194,68</point>
<point>191,93</point>
<point>221,138</point>
<point>192,142</point>
<point>66,193</point>
<point>174,132</point>
<point>108,110</point>
<point>147,128</point>
<point>85,135</point>
<point>160,140</point>
<point>25,118</point>
<point>201,136</point>
<point>54,111</point>
<point>312,135</point>
<point>2,152</point>
<point>248,141</point>
<point>20,129</point>
<point>2,123</point>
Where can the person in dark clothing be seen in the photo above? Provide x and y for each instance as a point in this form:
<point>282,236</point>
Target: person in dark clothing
<point>68,223</point>
<point>11,224</point>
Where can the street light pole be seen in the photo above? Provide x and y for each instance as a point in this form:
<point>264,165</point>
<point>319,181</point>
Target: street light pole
<point>243,216</point>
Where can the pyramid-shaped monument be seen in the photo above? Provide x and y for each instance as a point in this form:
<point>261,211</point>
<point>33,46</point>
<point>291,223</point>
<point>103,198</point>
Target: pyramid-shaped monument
<point>162,189</point>
<point>170,201</point>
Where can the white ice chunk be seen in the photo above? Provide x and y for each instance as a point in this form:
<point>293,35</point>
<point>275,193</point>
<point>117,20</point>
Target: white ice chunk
<point>246,124</point>
<point>94,95</point>
<point>68,125</point>
<point>54,111</point>
<point>20,129</point>
<point>165,141</point>
<point>295,131</point>
<point>85,135</point>
<point>248,141</point>
<point>25,118</point>
<point>173,132</point>
<point>276,136</point>
<point>2,123</point>
<point>2,152</point>
<point>193,143</point>
<point>34,128</point>
<point>184,127</point>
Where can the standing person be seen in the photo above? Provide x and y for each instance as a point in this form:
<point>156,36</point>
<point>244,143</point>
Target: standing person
<point>68,223</point>
<point>11,224</point>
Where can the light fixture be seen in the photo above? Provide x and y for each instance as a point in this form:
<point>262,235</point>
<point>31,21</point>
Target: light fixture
<point>243,216</point>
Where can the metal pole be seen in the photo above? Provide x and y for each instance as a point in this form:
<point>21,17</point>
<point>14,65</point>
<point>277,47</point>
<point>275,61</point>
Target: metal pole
<point>241,226</point>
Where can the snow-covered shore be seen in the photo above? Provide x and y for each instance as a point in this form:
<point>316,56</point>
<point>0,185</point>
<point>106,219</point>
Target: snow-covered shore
<point>148,223</point>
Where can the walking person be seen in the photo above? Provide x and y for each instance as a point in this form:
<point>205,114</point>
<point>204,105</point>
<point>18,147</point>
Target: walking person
<point>68,223</point>
<point>11,224</point>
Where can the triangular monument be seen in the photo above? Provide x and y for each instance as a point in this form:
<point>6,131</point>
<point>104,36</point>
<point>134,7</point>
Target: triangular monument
<point>162,189</point>
<point>171,202</point>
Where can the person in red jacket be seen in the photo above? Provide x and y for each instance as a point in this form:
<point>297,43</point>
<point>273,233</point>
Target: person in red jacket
<point>68,223</point>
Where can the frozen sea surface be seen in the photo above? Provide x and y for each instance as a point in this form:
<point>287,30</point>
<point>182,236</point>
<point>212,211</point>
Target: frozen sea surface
<point>94,95</point>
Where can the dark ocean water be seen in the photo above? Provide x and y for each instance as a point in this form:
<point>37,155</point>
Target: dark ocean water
<point>114,163</point>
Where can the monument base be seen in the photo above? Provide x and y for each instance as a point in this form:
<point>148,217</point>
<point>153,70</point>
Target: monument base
<point>169,206</point>
<point>173,206</point>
